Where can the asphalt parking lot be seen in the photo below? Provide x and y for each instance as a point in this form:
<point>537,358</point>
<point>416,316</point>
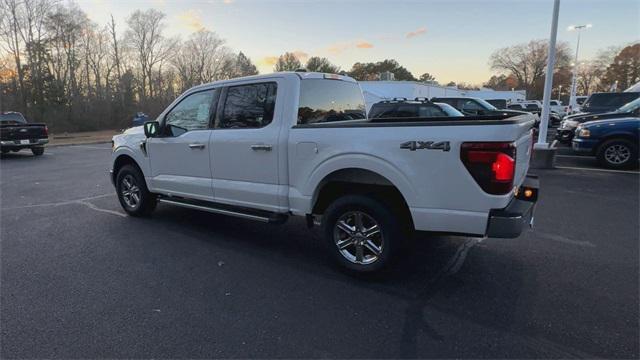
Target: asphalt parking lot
<point>79,279</point>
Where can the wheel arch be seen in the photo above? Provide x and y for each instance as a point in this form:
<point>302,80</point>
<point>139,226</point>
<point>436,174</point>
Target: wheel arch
<point>616,136</point>
<point>122,160</point>
<point>362,181</point>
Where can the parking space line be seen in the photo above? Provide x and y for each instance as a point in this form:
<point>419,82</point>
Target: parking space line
<point>67,202</point>
<point>598,170</point>
<point>576,156</point>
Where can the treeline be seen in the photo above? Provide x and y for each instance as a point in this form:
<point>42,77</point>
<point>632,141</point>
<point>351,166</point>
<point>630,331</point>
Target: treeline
<point>59,67</point>
<point>523,66</point>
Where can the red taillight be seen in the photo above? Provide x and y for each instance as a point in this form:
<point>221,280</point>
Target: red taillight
<point>491,164</point>
<point>46,131</point>
<point>503,167</point>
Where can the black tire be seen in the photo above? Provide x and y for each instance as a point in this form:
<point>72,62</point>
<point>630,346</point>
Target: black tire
<point>37,151</point>
<point>130,185</point>
<point>618,154</point>
<point>4,151</point>
<point>388,238</point>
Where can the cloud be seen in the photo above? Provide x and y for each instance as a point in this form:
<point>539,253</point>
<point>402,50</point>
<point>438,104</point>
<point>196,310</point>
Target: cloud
<point>417,32</point>
<point>268,60</point>
<point>339,47</point>
<point>301,55</point>
<point>191,20</point>
<point>228,1</point>
<point>364,45</point>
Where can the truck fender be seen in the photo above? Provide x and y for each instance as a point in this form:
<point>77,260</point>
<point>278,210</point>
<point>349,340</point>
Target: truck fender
<point>366,162</point>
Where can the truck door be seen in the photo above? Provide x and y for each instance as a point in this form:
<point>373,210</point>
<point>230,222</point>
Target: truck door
<point>180,158</point>
<point>245,146</point>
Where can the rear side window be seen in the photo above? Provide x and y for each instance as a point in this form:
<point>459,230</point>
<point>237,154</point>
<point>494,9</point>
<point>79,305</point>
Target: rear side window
<point>532,107</point>
<point>430,111</point>
<point>248,106</point>
<point>323,100</point>
<point>382,110</point>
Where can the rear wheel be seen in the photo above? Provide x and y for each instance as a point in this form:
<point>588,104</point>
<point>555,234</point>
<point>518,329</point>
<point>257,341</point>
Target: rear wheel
<point>361,233</point>
<point>37,151</point>
<point>618,154</point>
<point>133,194</point>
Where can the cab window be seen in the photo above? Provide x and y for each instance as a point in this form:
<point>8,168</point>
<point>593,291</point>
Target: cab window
<point>324,100</point>
<point>192,113</point>
<point>248,106</point>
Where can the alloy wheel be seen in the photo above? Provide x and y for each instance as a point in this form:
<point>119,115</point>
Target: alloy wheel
<point>130,191</point>
<point>617,154</point>
<point>358,237</point>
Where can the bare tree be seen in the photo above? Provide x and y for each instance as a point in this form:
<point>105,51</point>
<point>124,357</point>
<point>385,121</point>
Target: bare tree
<point>527,62</point>
<point>145,38</point>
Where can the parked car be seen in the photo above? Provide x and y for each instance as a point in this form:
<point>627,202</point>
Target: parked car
<point>604,102</point>
<point>271,146</point>
<point>534,107</point>
<point>139,119</point>
<point>476,106</point>
<point>557,107</point>
<point>613,141</point>
<point>569,110</point>
<point>17,134</point>
<point>570,123</point>
<point>419,107</point>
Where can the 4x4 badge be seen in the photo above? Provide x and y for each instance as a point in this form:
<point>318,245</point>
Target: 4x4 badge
<point>430,145</point>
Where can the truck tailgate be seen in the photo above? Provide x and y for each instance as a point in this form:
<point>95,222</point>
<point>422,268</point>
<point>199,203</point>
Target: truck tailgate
<point>23,132</point>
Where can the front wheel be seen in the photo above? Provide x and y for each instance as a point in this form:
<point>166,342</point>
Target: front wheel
<point>618,154</point>
<point>133,194</point>
<point>361,233</point>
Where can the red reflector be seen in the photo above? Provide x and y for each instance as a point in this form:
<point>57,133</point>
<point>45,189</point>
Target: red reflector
<point>503,167</point>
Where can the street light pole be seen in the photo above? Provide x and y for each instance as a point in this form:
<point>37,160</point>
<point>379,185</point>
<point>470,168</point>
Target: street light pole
<point>548,81</point>
<point>559,92</point>
<point>572,94</point>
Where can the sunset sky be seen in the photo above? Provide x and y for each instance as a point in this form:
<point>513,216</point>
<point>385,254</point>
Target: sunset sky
<point>452,40</point>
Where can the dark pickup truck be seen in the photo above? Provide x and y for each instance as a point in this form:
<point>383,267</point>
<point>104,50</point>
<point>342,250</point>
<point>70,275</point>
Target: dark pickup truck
<point>16,134</point>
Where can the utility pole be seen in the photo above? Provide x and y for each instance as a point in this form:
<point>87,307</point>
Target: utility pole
<point>572,95</point>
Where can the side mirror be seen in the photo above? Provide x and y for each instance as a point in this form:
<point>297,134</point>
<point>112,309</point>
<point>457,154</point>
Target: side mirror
<point>151,128</point>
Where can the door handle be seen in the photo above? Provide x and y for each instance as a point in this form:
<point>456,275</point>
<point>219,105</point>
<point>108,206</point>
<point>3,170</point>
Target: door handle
<point>263,147</point>
<point>196,146</point>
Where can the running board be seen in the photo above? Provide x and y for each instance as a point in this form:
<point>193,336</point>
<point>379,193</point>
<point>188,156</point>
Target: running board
<point>257,215</point>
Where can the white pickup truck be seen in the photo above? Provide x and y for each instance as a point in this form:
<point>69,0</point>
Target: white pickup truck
<point>297,143</point>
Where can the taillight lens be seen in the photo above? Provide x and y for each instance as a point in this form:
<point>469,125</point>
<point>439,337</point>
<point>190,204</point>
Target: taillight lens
<point>491,164</point>
<point>46,130</point>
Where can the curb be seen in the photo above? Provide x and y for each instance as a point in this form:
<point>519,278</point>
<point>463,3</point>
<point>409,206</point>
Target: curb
<point>81,143</point>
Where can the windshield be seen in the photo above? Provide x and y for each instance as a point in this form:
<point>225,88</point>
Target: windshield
<point>14,118</point>
<point>629,107</point>
<point>486,105</point>
<point>450,110</point>
<point>610,99</point>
